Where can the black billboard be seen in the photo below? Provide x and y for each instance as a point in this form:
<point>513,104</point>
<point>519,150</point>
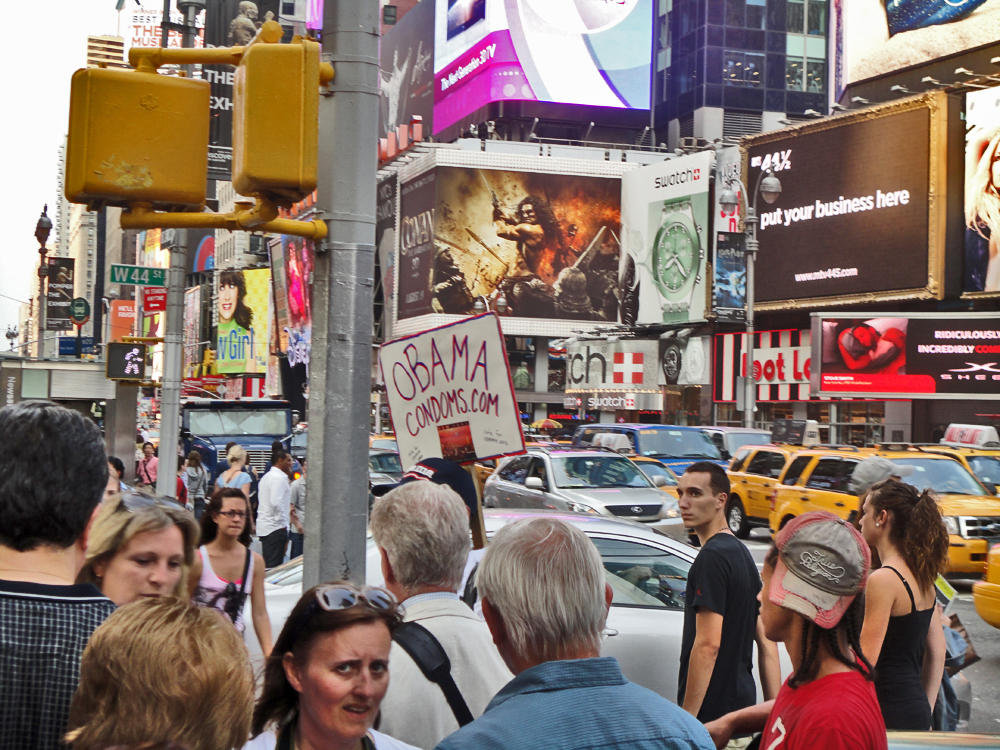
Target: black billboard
<point>916,355</point>
<point>406,84</point>
<point>228,23</point>
<point>855,214</point>
<point>59,295</point>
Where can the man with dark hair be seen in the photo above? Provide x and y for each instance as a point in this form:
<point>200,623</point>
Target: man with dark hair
<point>47,506</point>
<point>813,576</point>
<point>274,508</point>
<point>720,607</point>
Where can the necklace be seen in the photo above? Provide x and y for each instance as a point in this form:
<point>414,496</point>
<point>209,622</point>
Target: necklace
<point>37,573</point>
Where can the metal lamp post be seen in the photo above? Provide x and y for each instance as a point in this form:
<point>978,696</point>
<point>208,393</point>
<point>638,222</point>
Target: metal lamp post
<point>42,229</point>
<point>768,186</point>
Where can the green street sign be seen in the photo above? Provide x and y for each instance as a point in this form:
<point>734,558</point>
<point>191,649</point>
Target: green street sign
<point>79,310</point>
<point>138,275</point>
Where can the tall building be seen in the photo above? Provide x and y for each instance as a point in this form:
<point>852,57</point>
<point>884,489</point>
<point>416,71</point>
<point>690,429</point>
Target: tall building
<point>61,206</point>
<point>728,68</point>
<point>106,52</point>
<point>83,250</point>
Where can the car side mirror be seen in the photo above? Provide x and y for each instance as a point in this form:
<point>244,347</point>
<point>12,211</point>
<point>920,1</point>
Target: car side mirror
<point>726,455</point>
<point>185,433</point>
<point>534,483</point>
<point>659,481</point>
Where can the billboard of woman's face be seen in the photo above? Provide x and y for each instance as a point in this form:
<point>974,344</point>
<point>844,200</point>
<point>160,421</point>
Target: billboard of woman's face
<point>243,301</point>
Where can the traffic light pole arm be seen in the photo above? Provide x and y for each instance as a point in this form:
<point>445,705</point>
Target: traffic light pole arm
<point>148,59</point>
<point>262,217</point>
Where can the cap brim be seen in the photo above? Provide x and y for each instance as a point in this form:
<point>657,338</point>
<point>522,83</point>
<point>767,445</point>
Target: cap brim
<point>902,470</point>
<point>383,489</point>
<point>791,592</point>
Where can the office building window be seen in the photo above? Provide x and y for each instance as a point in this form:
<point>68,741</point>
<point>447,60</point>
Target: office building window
<point>288,8</point>
<point>742,68</point>
<point>686,73</point>
<point>805,63</point>
<point>806,17</point>
<point>751,14</point>
<point>389,15</point>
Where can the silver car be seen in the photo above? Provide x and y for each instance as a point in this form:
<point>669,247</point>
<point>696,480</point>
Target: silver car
<point>597,482</point>
<point>646,570</point>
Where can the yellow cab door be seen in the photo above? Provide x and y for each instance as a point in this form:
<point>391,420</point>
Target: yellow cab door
<point>761,474</point>
<point>826,487</point>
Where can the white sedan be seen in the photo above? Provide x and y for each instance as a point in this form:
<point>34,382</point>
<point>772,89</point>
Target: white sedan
<point>647,572</point>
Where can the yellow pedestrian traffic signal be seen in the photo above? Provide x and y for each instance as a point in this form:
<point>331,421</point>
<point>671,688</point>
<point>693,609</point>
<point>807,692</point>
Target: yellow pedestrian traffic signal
<point>276,118</point>
<point>137,137</point>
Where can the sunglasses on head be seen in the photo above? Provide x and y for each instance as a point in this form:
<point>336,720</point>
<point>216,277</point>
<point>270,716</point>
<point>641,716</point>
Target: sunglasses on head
<point>136,501</point>
<point>338,596</point>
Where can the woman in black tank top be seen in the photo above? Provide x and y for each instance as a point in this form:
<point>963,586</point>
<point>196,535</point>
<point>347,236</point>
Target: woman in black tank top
<point>906,529</point>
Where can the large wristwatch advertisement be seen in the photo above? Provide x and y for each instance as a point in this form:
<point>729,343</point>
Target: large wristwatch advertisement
<point>665,223</point>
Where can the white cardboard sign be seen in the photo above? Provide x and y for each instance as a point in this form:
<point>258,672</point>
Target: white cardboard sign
<point>450,393</point>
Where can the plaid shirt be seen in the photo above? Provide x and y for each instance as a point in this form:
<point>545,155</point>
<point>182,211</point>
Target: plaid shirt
<point>43,630</point>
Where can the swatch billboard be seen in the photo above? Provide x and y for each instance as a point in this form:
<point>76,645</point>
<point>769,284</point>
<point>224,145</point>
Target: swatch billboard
<point>861,212</point>
<point>922,355</point>
<point>570,52</point>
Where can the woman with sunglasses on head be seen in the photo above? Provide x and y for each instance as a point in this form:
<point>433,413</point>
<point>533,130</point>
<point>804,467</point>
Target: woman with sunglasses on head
<point>329,670</point>
<point>140,546</point>
<point>225,570</point>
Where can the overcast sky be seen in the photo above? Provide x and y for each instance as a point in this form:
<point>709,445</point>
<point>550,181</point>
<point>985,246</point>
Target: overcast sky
<point>39,62</point>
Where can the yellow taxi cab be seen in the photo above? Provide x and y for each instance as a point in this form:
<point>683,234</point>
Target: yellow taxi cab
<point>653,468</point>
<point>753,472</point>
<point>384,441</point>
<point>983,463</point>
<point>986,593</point>
<point>819,480</point>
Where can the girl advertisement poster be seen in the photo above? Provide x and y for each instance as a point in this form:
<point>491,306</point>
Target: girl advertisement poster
<point>243,311</point>
<point>982,191</point>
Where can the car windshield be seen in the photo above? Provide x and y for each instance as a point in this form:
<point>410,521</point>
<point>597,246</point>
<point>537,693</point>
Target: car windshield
<point>238,422</point>
<point>589,472</point>
<point>987,468</point>
<point>385,463</point>
<point>652,469</point>
<point>300,441</point>
<point>676,444</point>
<point>944,476</point>
<point>736,440</point>
<point>384,444</point>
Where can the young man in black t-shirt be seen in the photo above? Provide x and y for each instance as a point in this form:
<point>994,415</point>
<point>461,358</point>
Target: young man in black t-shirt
<point>720,607</point>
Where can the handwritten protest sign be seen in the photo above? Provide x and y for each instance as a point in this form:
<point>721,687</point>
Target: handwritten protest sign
<point>450,393</point>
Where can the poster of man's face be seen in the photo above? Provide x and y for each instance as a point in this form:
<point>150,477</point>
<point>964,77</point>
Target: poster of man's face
<point>533,245</point>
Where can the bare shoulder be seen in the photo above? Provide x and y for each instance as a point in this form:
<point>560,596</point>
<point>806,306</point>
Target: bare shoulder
<point>258,564</point>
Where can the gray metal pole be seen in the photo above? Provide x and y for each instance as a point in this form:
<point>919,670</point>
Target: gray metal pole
<point>750,400</point>
<point>341,360</point>
<point>173,352</point>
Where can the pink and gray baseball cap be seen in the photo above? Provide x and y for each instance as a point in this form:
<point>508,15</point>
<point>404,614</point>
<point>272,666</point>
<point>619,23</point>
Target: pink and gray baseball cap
<point>822,565</point>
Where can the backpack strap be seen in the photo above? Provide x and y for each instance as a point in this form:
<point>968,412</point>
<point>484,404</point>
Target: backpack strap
<point>428,654</point>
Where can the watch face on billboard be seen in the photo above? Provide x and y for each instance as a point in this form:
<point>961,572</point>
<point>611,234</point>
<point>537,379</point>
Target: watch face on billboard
<point>910,355</point>
<point>532,245</point>
<point>853,214</point>
<point>591,52</point>
<point>665,225</point>
<point>875,38</point>
<point>982,183</point>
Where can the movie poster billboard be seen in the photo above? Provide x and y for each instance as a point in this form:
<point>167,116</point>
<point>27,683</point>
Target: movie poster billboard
<point>593,53</point>
<point>292,262</point>
<point>874,229</point>
<point>665,228</point>
<point>416,247</point>
<point>244,299</point>
<point>59,294</point>
<point>406,82</point>
<point>930,355</point>
<point>535,245</point>
<point>450,393</point>
<point>874,38</point>
<point>729,290</point>
<point>228,23</point>
<point>982,183</point>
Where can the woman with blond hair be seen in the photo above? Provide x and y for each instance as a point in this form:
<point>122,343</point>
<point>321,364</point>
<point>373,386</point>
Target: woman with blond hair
<point>163,670</point>
<point>235,476</point>
<point>140,546</point>
<point>982,211</point>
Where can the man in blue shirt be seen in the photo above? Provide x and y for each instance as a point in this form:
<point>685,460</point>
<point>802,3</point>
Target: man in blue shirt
<point>545,600</point>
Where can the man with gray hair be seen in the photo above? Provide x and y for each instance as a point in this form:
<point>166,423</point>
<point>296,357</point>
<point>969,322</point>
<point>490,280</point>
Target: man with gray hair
<point>546,599</point>
<point>422,532</point>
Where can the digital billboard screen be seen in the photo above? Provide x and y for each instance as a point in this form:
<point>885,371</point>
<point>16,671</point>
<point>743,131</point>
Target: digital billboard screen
<point>982,191</point>
<point>534,245</point>
<point>875,38</point>
<point>927,355</point>
<point>856,217</point>
<point>571,52</point>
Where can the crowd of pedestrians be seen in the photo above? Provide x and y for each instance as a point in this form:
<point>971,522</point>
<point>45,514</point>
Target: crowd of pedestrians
<point>121,618</point>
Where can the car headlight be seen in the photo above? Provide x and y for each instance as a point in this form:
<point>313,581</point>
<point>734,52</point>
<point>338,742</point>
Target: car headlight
<point>581,508</point>
<point>671,510</point>
<point>951,524</point>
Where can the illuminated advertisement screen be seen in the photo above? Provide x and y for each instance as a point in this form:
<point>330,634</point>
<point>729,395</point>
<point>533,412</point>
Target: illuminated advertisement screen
<point>982,191</point>
<point>923,355</point>
<point>875,38</point>
<point>854,215</point>
<point>590,52</point>
<point>532,245</point>
<point>244,307</point>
